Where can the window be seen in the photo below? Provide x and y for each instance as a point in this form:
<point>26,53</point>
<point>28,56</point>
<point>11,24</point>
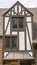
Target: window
<point>7,42</point>
<point>20,23</point>
<point>14,42</point>
<point>14,23</point>
<point>17,22</point>
<point>10,44</point>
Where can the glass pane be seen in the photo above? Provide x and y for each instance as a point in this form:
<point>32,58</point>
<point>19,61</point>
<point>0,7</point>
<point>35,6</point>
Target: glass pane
<point>21,23</point>
<point>7,41</point>
<point>14,41</point>
<point>14,23</point>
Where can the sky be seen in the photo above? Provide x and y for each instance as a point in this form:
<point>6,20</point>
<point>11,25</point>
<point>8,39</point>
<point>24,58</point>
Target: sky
<point>26,3</point>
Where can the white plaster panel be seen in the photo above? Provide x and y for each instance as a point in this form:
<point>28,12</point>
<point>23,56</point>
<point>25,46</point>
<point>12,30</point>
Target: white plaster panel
<point>5,53</point>
<point>16,8</point>
<point>28,19</point>
<point>23,13</point>
<point>19,8</point>
<point>27,41</point>
<point>30,53</point>
<point>6,21</point>
<point>14,33</point>
<point>12,13</point>
<point>30,30</point>
<point>21,41</point>
<point>8,29</point>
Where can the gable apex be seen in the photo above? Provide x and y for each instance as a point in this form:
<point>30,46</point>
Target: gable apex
<point>15,5</point>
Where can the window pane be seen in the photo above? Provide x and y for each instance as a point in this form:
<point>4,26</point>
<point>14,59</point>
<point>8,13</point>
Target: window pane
<point>21,23</point>
<point>14,41</point>
<point>14,23</point>
<point>7,41</point>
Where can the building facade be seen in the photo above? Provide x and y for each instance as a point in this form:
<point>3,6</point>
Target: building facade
<point>18,41</point>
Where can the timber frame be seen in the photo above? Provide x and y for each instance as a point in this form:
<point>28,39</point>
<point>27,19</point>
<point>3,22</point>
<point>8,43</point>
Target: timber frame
<point>24,29</point>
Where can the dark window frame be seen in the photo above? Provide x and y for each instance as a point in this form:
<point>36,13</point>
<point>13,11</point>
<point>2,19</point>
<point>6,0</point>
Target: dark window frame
<point>14,23</point>
<point>10,43</point>
<point>6,48</point>
<point>16,48</point>
<point>21,27</point>
<point>18,18</point>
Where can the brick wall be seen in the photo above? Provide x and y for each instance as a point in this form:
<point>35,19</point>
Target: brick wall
<point>0,51</point>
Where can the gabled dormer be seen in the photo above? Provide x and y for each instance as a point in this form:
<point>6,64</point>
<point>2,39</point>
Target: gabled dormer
<point>17,29</point>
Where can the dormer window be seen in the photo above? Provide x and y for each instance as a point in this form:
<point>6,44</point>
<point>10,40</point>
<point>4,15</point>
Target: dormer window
<point>18,29</point>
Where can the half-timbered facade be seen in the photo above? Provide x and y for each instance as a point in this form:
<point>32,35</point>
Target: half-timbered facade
<point>17,36</point>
